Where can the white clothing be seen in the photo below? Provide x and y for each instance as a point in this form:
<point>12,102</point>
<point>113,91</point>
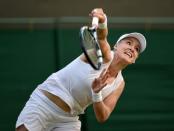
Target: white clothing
<point>41,114</point>
<point>73,84</point>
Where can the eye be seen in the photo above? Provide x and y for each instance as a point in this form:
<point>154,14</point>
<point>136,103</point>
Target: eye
<point>137,49</point>
<point>128,42</point>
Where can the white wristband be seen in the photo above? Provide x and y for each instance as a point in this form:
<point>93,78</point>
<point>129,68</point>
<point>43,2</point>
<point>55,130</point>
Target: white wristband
<point>104,24</point>
<point>97,97</point>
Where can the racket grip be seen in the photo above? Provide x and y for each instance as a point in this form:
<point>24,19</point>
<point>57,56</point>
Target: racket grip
<point>95,21</point>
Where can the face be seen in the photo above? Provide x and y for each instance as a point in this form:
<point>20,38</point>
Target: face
<point>128,50</point>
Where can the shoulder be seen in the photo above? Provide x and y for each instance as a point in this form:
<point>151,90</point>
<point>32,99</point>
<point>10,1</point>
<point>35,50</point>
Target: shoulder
<point>122,81</point>
<point>122,84</point>
<point>120,88</point>
<point>108,59</point>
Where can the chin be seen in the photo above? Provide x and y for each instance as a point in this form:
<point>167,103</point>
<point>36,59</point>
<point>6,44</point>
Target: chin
<point>127,60</point>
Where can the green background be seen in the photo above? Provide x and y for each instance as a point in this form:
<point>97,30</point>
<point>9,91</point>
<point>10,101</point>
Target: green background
<point>28,56</point>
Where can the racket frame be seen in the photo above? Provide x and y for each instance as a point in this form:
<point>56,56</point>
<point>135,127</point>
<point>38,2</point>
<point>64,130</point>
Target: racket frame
<point>92,31</point>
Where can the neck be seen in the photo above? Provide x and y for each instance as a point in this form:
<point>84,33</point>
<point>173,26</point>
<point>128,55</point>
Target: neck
<point>115,66</point>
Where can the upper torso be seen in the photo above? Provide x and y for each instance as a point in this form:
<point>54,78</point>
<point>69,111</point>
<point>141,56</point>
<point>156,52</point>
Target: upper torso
<point>73,84</point>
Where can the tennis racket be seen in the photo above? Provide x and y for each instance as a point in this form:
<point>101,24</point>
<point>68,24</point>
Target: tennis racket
<point>90,45</point>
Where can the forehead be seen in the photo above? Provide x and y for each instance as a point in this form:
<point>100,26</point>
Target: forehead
<point>132,39</point>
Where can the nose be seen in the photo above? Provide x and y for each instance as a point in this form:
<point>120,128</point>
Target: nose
<point>132,48</point>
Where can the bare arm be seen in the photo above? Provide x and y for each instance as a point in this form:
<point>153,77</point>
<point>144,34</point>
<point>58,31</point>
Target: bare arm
<point>102,34</point>
<point>104,108</point>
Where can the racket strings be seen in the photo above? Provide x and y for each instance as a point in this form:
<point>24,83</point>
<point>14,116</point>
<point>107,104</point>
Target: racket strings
<point>91,47</point>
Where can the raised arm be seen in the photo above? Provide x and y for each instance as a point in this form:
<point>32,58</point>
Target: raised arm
<point>102,32</point>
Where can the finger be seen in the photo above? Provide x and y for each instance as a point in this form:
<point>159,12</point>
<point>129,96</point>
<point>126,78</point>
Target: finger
<point>102,73</point>
<point>98,84</point>
<point>102,86</point>
<point>103,81</point>
<point>99,10</point>
<point>99,88</point>
<point>104,78</point>
<point>98,14</point>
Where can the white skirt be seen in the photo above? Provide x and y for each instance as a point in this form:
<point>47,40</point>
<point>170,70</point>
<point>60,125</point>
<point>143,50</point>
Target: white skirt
<point>41,114</point>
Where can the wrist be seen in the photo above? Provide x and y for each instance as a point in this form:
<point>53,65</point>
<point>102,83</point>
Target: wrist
<point>104,24</point>
<point>97,97</point>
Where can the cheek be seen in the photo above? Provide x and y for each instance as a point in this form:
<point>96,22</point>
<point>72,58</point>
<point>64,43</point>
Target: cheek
<point>120,48</point>
<point>136,57</point>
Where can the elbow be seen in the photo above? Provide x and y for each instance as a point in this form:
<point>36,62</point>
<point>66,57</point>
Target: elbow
<point>102,114</point>
<point>102,119</point>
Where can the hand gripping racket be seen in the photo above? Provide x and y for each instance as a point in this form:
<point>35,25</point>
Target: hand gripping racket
<point>90,46</point>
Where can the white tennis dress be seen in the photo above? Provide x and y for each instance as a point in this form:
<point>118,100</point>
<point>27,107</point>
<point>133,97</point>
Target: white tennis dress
<point>73,85</point>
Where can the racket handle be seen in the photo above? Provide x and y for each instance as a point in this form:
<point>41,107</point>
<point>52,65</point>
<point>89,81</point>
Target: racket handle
<point>95,21</point>
<point>99,54</point>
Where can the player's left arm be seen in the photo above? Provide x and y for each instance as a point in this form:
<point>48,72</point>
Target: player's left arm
<point>104,108</point>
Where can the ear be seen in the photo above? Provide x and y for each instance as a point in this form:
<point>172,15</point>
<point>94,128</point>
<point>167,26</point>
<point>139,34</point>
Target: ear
<point>115,47</point>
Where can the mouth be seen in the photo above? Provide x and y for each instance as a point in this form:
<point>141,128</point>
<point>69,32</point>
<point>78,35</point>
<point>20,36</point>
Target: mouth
<point>128,53</point>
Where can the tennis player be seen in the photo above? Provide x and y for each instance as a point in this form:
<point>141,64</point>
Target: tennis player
<point>55,105</point>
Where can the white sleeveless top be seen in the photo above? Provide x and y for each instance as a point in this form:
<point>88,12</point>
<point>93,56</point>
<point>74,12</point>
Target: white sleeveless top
<point>73,84</point>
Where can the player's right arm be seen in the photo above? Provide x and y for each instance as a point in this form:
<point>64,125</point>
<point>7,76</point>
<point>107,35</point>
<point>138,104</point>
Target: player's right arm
<point>102,33</point>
